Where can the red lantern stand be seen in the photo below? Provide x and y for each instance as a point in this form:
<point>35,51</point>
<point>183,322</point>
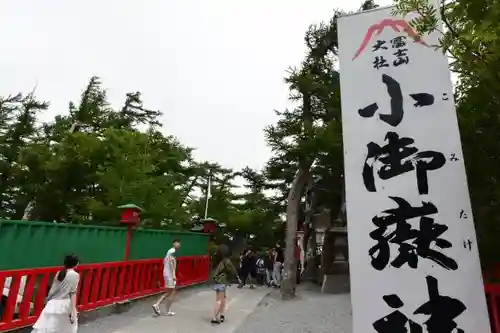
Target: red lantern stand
<point>209,227</point>
<point>131,218</point>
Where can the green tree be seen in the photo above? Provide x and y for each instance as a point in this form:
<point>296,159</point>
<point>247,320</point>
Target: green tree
<point>310,134</point>
<point>81,166</point>
<point>17,130</point>
<point>307,141</point>
<point>260,212</point>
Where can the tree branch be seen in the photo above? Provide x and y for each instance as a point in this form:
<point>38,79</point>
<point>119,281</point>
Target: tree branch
<point>445,20</point>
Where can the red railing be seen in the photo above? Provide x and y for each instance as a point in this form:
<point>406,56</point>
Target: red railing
<point>100,285</point>
<point>492,298</point>
<point>492,289</point>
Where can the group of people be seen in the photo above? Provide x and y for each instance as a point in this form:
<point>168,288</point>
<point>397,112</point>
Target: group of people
<point>264,270</point>
<point>273,263</point>
<point>267,269</point>
<point>60,313</point>
<point>223,272</point>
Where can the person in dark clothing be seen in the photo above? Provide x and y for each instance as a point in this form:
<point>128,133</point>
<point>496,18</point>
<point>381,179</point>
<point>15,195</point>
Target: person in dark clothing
<point>243,271</point>
<point>248,267</point>
<point>252,268</point>
<point>242,261</point>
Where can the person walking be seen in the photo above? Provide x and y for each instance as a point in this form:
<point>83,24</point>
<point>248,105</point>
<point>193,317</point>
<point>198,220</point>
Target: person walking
<point>224,270</point>
<point>249,269</point>
<point>169,275</point>
<point>59,314</point>
<point>252,269</point>
<point>279,259</point>
<point>246,262</point>
<point>268,265</point>
<point>243,263</point>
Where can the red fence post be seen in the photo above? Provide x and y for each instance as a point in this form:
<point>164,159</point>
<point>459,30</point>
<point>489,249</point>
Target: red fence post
<point>25,307</point>
<point>10,305</point>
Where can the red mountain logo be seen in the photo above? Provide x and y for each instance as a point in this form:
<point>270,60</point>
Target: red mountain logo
<point>396,25</point>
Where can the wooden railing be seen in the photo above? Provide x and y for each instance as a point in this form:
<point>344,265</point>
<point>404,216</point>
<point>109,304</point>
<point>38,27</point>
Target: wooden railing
<point>100,285</point>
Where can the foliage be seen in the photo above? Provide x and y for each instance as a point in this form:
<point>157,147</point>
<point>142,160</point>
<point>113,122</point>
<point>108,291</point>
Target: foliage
<point>291,140</point>
<point>79,167</point>
<point>307,165</point>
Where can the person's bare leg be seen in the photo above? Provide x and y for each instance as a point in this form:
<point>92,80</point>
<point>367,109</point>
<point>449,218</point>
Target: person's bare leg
<point>156,306</point>
<point>217,306</point>
<point>163,297</point>
<point>169,301</point>
<point>223,307</point>
<point>222,304</point>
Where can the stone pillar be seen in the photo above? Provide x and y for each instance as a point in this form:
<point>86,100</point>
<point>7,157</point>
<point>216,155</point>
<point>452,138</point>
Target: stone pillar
<point>336,279</point>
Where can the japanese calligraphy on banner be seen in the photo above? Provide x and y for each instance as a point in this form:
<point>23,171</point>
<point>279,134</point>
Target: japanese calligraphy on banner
<point>412,245</point>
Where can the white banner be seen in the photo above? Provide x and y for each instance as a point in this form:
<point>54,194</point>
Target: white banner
<point>412,245</point>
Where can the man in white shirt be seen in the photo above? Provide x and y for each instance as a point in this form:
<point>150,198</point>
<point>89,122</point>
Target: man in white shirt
<point>169,274</point>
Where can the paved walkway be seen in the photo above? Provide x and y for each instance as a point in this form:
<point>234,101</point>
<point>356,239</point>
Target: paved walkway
<point>309,312</point>
<point>249,311</point>
<point>193,313</point>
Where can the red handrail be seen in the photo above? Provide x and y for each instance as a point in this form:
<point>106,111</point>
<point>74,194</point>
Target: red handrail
<point>100,285</point>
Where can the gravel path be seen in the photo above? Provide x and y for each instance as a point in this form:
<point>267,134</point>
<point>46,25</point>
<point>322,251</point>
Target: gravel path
<point>310,312</point>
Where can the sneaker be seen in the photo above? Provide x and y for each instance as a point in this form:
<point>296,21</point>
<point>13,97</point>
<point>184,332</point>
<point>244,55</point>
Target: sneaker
<point>215,321</point>
<point>222,318</point>
<point>170,313</point>
<point>156,309</point>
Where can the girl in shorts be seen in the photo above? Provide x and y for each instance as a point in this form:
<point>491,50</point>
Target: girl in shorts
<point>224,269</point>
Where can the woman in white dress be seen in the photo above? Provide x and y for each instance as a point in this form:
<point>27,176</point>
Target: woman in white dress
<point>59,314</point>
